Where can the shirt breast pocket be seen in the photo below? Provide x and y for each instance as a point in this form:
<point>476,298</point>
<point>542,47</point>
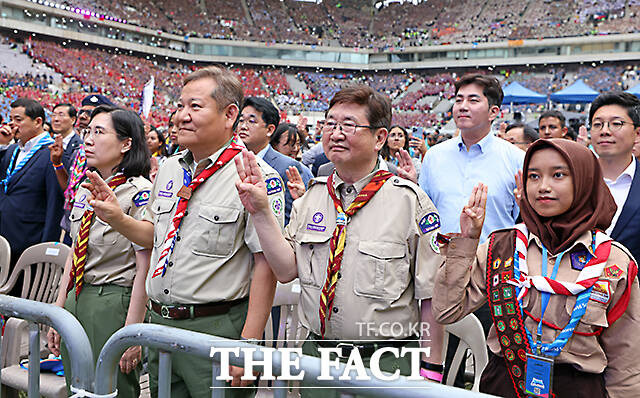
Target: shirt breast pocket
<point>161,209</point>
<point>313,258</point>
<point>216,231</point>
<point>593,320</point>
<point>101,233</point>
<point>383,270</point>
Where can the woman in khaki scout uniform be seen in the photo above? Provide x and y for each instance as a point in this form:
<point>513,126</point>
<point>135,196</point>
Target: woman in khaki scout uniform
<point>563,296</point>
<point>103,281</point>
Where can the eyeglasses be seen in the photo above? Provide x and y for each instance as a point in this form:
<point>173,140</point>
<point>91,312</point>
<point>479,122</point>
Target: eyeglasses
<point>250,122</point>
<point>348,128</point>
<point>614,125</point>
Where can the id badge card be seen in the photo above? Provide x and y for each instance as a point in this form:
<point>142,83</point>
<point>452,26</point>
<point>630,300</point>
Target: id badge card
<point>539,376</point>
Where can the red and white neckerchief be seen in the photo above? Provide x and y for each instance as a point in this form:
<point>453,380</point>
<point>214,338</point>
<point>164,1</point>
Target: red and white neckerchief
<point>587,277</point>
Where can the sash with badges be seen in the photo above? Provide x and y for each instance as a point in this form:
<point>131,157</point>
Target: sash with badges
<point>184,194</point>
<point>11,170</point>
<point>529,361</point>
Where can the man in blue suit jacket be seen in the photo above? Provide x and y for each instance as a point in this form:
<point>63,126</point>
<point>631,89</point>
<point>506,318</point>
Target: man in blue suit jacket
<point>30,197</point>
<point>258,120</point>
<point>615,127</point>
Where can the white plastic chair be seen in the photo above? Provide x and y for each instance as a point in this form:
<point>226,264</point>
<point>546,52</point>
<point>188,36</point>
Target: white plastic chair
<point>469,331</point>
<point>5,260</point>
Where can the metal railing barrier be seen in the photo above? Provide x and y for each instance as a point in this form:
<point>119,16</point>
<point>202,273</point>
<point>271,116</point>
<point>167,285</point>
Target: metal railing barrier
<point>167,340</point>
<point>75,338</point>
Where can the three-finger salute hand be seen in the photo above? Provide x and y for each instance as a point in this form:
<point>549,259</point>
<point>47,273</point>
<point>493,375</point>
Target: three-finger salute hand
<point>295,183</point>
<point>104,201</point>
<point>472,216</point>
<point>251,186</point>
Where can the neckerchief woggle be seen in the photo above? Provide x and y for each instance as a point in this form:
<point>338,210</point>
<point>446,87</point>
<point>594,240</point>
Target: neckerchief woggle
<point>554,348</point>
<point>46,140</point>
<point>183,199</point>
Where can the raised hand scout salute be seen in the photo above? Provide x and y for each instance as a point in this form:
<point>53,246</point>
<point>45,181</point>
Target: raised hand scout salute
<point>207,273</point>
<point>563,296</point>
<point>359,240</point>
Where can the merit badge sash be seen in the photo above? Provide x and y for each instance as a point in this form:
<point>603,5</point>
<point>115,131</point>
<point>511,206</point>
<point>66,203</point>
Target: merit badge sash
<point>505,310</point>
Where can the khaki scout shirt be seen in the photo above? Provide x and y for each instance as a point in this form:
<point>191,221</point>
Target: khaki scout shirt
<point>461,284</point>
<point>213,259</point>
<point>111,257</point>
<point>388,262</point>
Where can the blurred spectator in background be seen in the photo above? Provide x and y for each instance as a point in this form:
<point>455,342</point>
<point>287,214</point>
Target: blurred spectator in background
<point>521,135</point>
<point>551,124</point>
<point>30,197</point>
<point>172,132</point>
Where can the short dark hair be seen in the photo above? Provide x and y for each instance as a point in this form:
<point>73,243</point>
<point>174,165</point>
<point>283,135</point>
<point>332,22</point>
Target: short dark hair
<point>32,108</point>
<point>490,87</point>
<point>270,114</point>
<point>626,100</point>
<point>71,111</point>
<point>529,133</point>
<point>378,105</point>
<point>285,128</point>
<point>554,113</point>
<point>228,88</point>
<point>128,124</point>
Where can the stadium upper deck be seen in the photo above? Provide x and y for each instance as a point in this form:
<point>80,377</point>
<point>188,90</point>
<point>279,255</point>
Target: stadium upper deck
<point>359,23</point>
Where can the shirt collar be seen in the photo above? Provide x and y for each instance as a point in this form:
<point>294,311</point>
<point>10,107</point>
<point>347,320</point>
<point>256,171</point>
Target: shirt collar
<point>483,144</point>
<point>358,185</point>
<point>32,142</point>
<point>628,173</point>
<point>66,140</point>
<point>263,152</point>
<point>187,160</point>
<point>585,240</point>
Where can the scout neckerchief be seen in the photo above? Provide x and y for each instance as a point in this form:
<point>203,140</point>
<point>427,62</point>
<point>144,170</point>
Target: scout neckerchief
<point>82,241</point>
<point>183,200</point>
<point>338,239</point>
<point>11,170</point>
<point>76,175</point>
<point>506,307</point>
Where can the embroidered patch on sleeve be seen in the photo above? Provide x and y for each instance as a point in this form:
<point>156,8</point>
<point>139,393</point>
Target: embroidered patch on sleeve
<point>141,198</point>
<point>277,207</point>
<point>434,244</point>
<point>429,223</point>
<point>273,185</point>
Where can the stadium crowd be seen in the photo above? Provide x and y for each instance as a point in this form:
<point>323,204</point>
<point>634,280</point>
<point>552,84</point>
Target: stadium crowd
<point>358,23</point>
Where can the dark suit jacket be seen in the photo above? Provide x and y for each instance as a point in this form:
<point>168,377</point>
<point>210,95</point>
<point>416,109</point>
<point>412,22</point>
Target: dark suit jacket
<point>627,228</point>
<point>69,152</point>
<point>31,209</point>
<point>281,163</point>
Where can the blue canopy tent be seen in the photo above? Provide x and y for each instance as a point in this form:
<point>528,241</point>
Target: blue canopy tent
<point>516,93</point>
<point>577,93</point>
<point>635,90</point>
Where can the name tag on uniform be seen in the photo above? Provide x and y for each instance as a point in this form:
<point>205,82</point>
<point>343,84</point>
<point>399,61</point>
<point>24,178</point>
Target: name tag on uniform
<point>539,376</point>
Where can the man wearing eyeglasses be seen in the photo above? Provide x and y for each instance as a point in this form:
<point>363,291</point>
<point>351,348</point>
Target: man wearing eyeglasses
<point>69,161</point>
<point>615,128</point>
<point>362,241</point>
<point>258,121</point>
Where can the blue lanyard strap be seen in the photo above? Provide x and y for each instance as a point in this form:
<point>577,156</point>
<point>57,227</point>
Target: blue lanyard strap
<point>554,348</point>
<point>11,171</point>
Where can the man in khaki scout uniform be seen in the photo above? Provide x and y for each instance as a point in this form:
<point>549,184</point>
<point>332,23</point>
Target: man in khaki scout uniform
<point>383,284</point>
<point>207,273</point>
